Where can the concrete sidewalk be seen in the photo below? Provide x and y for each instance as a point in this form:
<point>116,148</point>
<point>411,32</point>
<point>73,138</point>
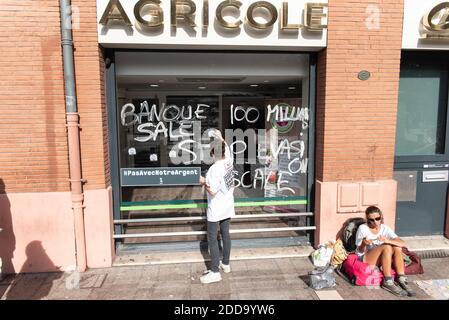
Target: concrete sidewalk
<point>258,279</point>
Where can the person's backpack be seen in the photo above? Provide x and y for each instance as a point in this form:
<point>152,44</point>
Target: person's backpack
<point>362,274</point>
<point>349,232</point>
<point>415,267</point>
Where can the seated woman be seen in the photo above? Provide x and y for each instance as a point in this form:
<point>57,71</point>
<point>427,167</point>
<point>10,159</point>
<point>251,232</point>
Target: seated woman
<point>378,245</point>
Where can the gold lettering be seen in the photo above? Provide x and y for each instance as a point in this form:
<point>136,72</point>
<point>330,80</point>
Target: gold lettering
<point>284,19</point>
<point>443,22</point>
<point>313,16</point>
<point>150,13</point>
<point>183,10</point>
<point>261,4</point>
<point>156,15</point>
<point>114,11</point>
<point>206,14</point>
<point>219,14</point>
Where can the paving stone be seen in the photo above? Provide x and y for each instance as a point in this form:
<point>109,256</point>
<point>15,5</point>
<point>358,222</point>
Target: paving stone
<point>150,273</point>
<point>266,284</point>
<point>92,280</point>
<point>199,292</point>
<point>247,295</point>
<point>174,273</point>
<point>222,287</point>
<point>268,265</point>
<point>328,295</point>
<point>302,294</point>
<point>120,294</point>
<point>98,294</point>
<point>239,265</point>
<point>238,274</point>
<point>74,294</point>
<point>220,296</point>
<point>435,268</point>
<point>349,293</point>
<point>44,292</point>
<point>196,269</point>
<point>242,284</point>
<point>143,294</point>
<point>173,294</point>
<point>24,287</point>
<point>6,282</point>
<point>294,280</point>
<point>234,296</point>
<point>123,284</point>
<point>145,284</point>
<point>272,295</point>
<point>285,265</point>
<point>281,279</point>
<point>172,284</point>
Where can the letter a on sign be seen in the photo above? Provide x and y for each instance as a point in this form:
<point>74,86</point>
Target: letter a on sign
<point>114,11</point>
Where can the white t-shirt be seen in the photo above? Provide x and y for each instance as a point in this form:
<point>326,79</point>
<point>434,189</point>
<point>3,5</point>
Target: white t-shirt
<point>220,178</point>
<point>365,232</point>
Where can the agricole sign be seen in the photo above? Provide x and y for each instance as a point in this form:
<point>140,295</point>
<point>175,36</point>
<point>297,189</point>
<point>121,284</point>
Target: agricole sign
<point>213,22</point>
<point>435,23</point>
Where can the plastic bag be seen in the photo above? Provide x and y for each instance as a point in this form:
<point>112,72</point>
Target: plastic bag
<point>322,256</point>
<point>321,278</point>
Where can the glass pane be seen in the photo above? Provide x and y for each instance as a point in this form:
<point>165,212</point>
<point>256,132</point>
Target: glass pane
<point>167,103</point>
<point>421,121</point>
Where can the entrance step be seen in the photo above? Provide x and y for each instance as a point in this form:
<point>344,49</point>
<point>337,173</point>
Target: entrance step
<point>426,243</point>
<point>153,258</point>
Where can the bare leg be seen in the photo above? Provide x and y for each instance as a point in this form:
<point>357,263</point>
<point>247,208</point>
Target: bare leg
<point>398,260</point>
<point>380,256</point>
<point>387,256</point>
<point>383,256</point>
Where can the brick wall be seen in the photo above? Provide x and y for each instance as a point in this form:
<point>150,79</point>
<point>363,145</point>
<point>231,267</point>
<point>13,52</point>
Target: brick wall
<point>356,119</point>
<point>89,67</point>
<point>33,141</point>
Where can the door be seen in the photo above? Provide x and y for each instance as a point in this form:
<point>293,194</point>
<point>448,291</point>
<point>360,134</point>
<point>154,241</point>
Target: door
<point>422,152</point>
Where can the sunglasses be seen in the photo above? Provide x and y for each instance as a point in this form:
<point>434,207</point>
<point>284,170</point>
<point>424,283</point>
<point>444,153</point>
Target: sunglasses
<point>375,219</point>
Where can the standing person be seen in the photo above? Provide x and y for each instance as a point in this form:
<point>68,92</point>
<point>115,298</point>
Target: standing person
<point>219,184</point>
<point>378,245</point>
<point>218,138</point>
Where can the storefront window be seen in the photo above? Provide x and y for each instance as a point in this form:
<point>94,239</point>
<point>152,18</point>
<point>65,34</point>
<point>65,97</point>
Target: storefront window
<point>169,102</point>
<point>422,107</point>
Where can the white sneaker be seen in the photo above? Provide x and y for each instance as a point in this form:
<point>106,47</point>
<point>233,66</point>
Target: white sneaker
<point>211,277</point>
<point>225,267</point>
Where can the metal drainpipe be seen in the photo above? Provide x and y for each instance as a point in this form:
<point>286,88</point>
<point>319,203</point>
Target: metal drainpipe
<point>73,134</point>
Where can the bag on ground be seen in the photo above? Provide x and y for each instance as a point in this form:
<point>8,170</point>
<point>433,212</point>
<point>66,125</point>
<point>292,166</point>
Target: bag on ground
<point>322,256</point>
<point>339,255</point>
<point>322,277</point>
<point>415,267</point>
<point>362,274</point>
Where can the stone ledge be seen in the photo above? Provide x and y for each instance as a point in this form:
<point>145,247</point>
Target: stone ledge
<point>426,243</point>
<point>154,258</point>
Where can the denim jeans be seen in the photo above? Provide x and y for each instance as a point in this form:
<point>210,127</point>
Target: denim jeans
<point>212,234</point>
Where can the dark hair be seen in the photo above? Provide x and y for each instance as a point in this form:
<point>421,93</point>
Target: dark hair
<point>218,147</point>
<point>374,209</point>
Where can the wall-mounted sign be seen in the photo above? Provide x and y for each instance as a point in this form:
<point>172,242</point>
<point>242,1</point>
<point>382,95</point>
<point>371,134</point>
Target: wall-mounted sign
<point>168,23</point>
<point>435,24</point>
<point>169,176</point>
<point>426,25</point>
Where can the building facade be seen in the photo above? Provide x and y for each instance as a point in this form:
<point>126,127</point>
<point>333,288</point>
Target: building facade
<point>328,107</point>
